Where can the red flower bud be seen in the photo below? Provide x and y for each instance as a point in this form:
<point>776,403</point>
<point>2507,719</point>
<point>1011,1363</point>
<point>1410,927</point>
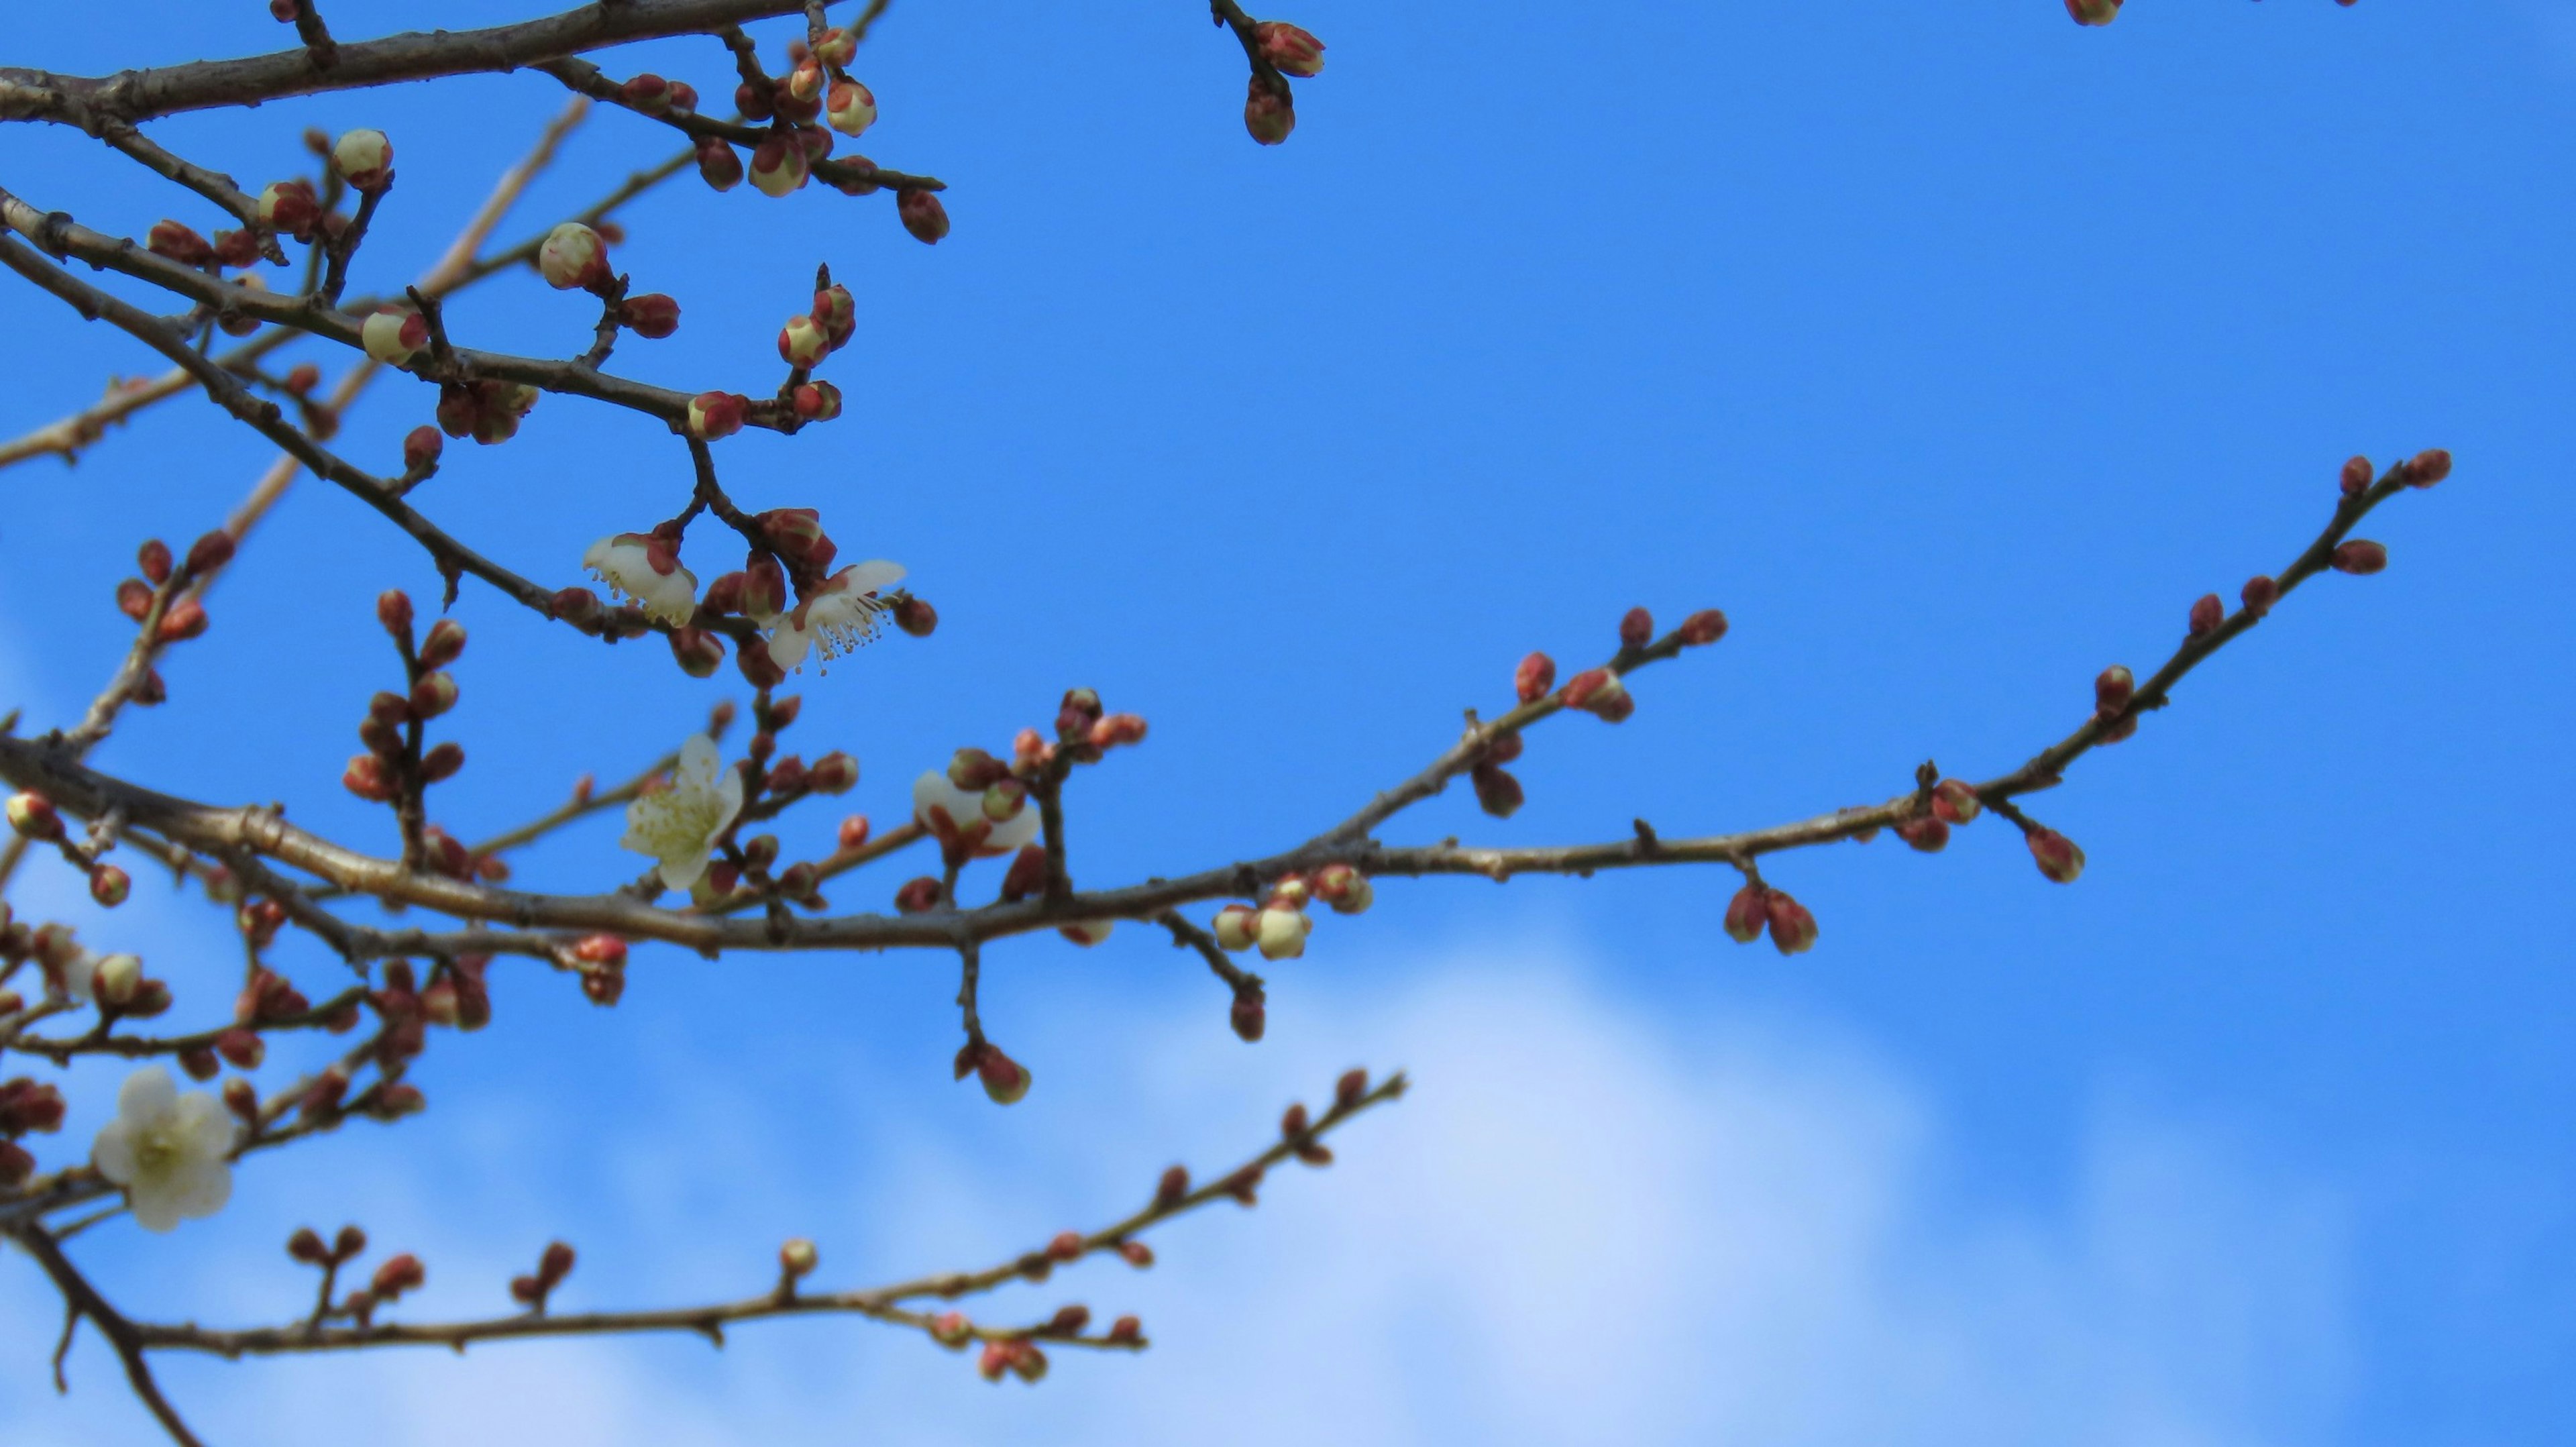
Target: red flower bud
<point>2356,477</point>
<point>716,414</point>
<point>179,243</point>
<point>446,641</point>
<point>1268,115</point>
<point>652,316</point>
<point>922,214</point>
<point>185,621</point>
<point>1636,629</point>
<point>1136,1254</point>
<point>1005,1080</point>
<point>154,559</point>
<point>244,1048</point>
<point>2057,856</point>
<point>2113,689</point>
<point>1027,874</point>
<point>1703,627</point>
<point>2093,12</point>
<point>442,762</point>
<point>2360,557</point>
<point>397,1275</point>
<point>1599,692</point>
<point>2429,467</point>
<point>1349,1089</point>
<point>1497,792</point>
<point>1747,914</point>
<point>718,165</point>
<point>698,652</point>
<point>1169,1191</point>
<point>109,885</point>
<point>1249,1017</point>
<point>1929,834</point>
<point>1292,50</point>
<point>34,816</point>
<point>917,896</point>
<point>2206,614</point>
<point>1954,802</point>
<point>1793,929</point>
<point>2260,594</point>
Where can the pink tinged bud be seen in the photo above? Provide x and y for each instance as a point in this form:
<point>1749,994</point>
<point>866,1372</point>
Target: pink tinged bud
<point>802,342</point>
<point>2056,855</point>
<point>778,166</point>
<point>805,82</point>
<point>1118,729</point>
<point>366,778</point>
<point>2207,614</point>
<point>1004,800</point>
<point>290,207</point>
<point>2093,12</point>
<point>922,214</point>
<point>1268,115</point>
<point>154,559</point>
<point>1793,929</point>
<point>2360,557</point>
<point>850,107</point>
<point>994,1362</point>
<point>109,885</point>
<point>200,1063</point>
<point>1747,914</point>
<point>1249,1018</point>
<point>1234,927</point>
<point>834,773</point>
<point>1535,676</point>
<point>243,1048</point>
<point>575,605</point>
<point>1636,629</point>
<point>179,244</point>
<point>698,652</point>
<point>916,617</point>
<point>1136,1254</point>
<point>365,159</point>
<point>242,1099</point>
<point>817,401</point>
<point>854,832</point>
<point>394,338</point>
<point>435,694</point>
<point>1929,835</point>
<point>134,598</point>
<point>1954,802</point>
<point>1174,1185</point>
<point>716,414</point>
<point>2428,467</point>
<point>2260,594</point>
<point>652,316</point>
<point>1599,692</point>
<point>33,816</point>
<point>1280,933</point>
<point>917,896</point>
<point>1294,51</point>
<point>397,1275</point>
<point>1703,627</point>
<point>2355,479</point>
<point>951,1329</point>
<point>571,256</point>
<point>1087,932</point>
<point>421,449</point>
<point>445,643</point>
<point>1005,1080</point>
<point>718,165</point>
<point>186,621</point>
<point>2113,689</point>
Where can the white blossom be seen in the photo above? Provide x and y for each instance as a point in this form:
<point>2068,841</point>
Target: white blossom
<point>169,1151</point>
<point>944,809</point>
<point>646,569</point>
<point>841,613</point>
<point>678,825</point>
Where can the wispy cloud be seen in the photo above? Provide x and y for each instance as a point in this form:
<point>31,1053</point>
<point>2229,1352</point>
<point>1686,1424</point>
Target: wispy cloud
<point>1585,1225</point>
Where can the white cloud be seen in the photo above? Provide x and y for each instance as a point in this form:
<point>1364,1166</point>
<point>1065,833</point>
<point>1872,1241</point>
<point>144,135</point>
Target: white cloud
<point>1586,1224</point>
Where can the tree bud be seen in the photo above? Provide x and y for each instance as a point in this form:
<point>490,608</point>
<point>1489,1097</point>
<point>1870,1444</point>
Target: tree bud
<point>698,652</point>
<point>915,617</point>
<point>1793,929</point>
<point>922,214</point>
<point>34,816</point>
<point>1955,802</point>
<point>1268,115</point>
<point>797,1257</point>
<point>154,559</point>
<point>1929,834</point>
<point>1280,932</point>
<point>850,107</point>
<point>1005,1080</point>
<point>1249,1017</point>
<point>442,762</point>
<point>778,165</point>
<point>2355,479</point>
<point>2113,689</point>
<point>816,401</point>
<point>651,316</point>
<point>244,1049</point>
<point>2428,467</point>
<point>718,165</point>
<point>365,159</point>
<point>572,256</point>
<point>1497,792</point>
<point>290,208</point>
<point>2260,594</point>
<point>2360,557</point>
<point>716,414</point>
<point>2093,12</point>
<point>1703,627</point>
<point>2056,855</point>
<point>2206,614</point>
<point>802,342</point>
<point>179,244</point>
<point>109,885</point>
<point>1636,628</point>
<point>1294,51</point>
<point>397,1275</point>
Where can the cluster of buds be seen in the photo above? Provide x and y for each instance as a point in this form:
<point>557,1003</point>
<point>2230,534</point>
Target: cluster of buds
<point>307,1246</point>
<point>1011,1356</point>
<point>1278,926</point>
<point>1269,109</point>
<point>810,336</point>
<point>1953,803</point>
<point>458,998</point>
<point>1297,1132</point>
<point>394,767</point>
<point>486,410</point>
<point>1757,907</point>
<point>655,96</point>
<point>553,1265</point>
<point>983,807</point>
<point>167,585</point>
<point>1005,1080</point>
<point>26,1107</point>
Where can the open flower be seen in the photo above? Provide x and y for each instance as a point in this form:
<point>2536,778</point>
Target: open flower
<point>169,1151</point>
<point>841,613</point>
<point>647,569</point>
<point>678,824</point>
<point>957,816</point>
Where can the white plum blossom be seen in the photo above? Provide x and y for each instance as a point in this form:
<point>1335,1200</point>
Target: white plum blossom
<point>169,1151</point>
<point>647,569</point>
<point>840,614</point>
<point>951,812</point>
<point>76,979</point>
<point>678,825</point>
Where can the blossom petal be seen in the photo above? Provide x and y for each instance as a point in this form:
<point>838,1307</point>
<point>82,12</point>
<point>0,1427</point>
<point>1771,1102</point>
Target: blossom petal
<point>113,1151</point>
<point>684,871</point>
<point>199,1187</point>
<point>873,576</point>
<point>147,1095</point>
<point>155,1207</point>
<point>1019,829</point>
<point>205,1125</point>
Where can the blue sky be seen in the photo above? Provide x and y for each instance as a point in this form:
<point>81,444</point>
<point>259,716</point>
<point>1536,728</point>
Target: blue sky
<point>1951,350</point>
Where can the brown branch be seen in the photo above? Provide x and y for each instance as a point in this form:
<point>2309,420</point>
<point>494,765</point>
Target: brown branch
<point>878,1303</point>
<point>123,1335</point>
<point>136,95</point>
